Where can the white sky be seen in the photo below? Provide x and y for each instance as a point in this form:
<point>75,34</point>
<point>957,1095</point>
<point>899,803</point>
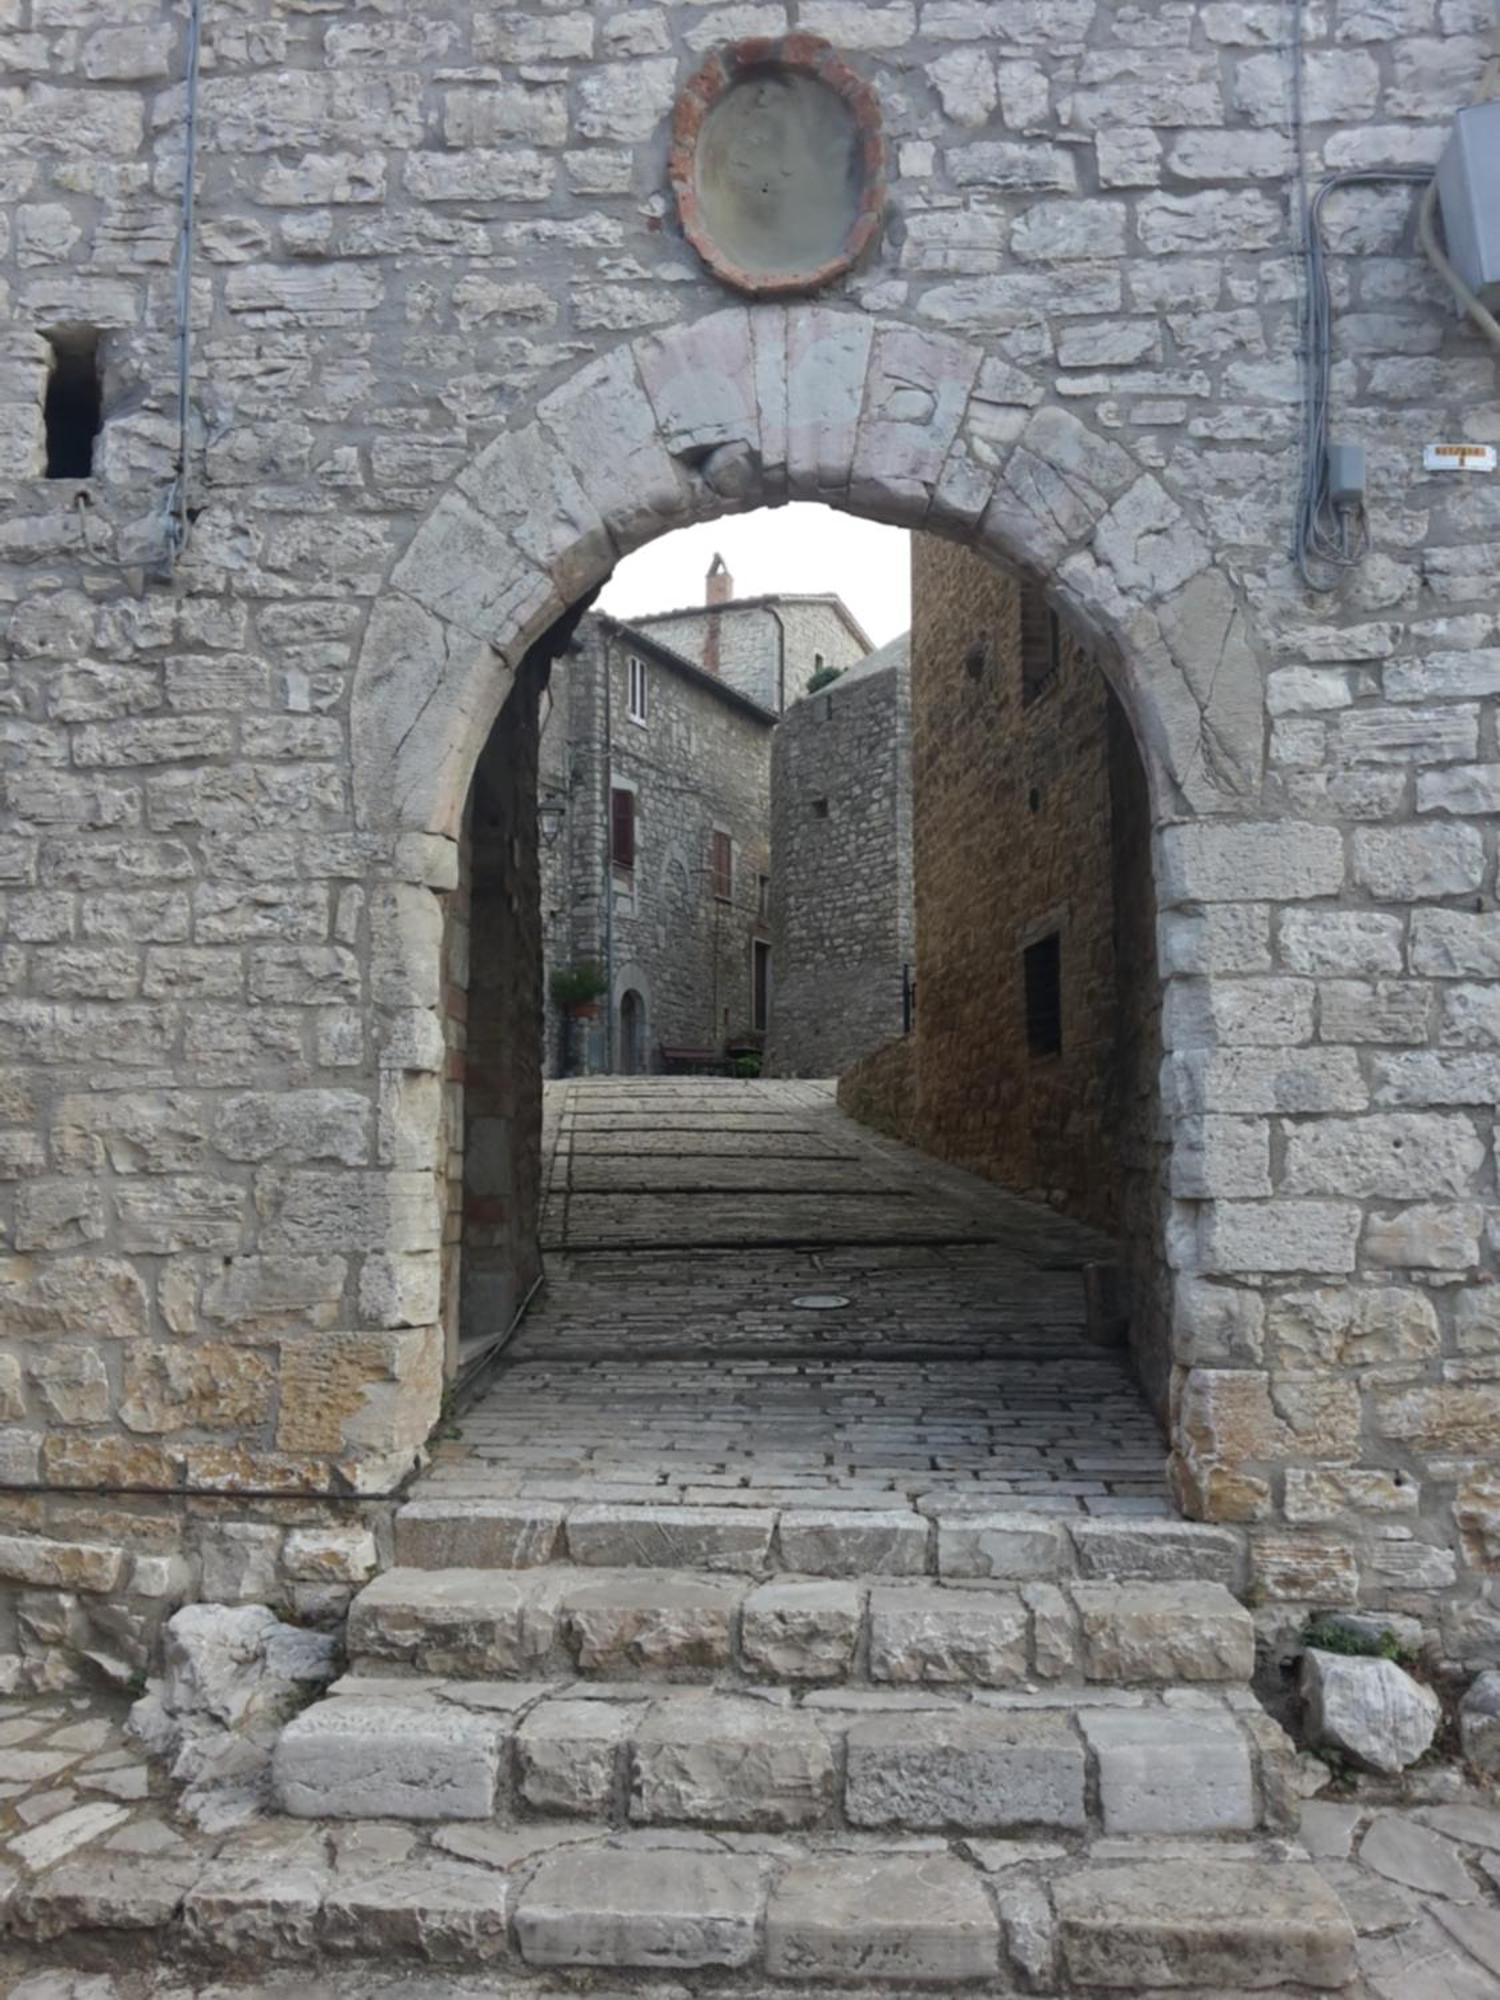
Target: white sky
<point>800,548</point>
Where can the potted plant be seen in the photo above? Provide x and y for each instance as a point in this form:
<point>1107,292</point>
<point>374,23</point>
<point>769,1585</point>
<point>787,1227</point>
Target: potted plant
<point>578,989</point>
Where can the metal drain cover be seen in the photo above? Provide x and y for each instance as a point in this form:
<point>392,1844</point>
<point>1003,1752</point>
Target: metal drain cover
<point>820,1302</point>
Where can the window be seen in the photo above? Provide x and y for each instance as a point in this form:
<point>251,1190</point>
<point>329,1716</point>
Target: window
<point>74,407</point>
<point>721,866</point>
<point>1041,965</point>
<point>760,984</point>
<point>622,828</point>
<point>1040,644</point>
<point>820,808</point>
<point>819,663</point>
<point>763,896</point>
<point>637,669</point>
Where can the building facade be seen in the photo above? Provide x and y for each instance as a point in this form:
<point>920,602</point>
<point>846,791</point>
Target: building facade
<point>841,888</point>
<point>1036,1038</point>
<point>447,355</point>
<point>767,647</point>
<point>654,802</point>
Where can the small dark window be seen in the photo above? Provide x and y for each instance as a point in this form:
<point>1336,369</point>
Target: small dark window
<point>721,866</point>
<point>75,405</point>
<point>1042,969</point>
<point>820,808</point>
<point>976,660</point>
<point>622,828</point>
<point>1041,643</point>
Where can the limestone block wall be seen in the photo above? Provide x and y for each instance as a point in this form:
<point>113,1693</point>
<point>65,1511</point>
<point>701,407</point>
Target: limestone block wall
<point>841,898</point>
<point>450,359</point>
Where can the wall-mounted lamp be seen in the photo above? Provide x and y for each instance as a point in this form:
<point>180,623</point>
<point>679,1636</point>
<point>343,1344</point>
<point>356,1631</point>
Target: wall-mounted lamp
<point>550,813</point>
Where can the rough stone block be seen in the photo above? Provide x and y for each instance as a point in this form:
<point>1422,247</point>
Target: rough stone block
<point>568,1754</point>
<point>478,1534</point>
<point>1201,1923</point>
<point>1142,1632</point>
<point>980,1769</point>
<point>453,1621</point>
<point>791,1630</point>
<point>656,1624</point>
<point>1170,1771</point>
<point>701,1538</point>
<point>1013,1546</point>
<point>671,1907</point>
<point>388,1759</point>
<point>923,1919</point>
<point>723,1760</point>
<point>827,1542</point>
<point>926,1634</point>
<point>1158,1551</point>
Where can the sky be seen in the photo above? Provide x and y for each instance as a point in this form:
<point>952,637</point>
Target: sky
<point>793,549</point>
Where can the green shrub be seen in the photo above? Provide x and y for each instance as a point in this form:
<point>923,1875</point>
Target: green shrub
<point>576,985</point>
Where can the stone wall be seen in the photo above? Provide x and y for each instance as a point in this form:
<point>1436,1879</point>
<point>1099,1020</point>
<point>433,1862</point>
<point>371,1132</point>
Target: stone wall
<point>1030,819</point>
<point>841,897</point>
<point>1014,841</point>
<point>701,760</point>
<point>451,359</point>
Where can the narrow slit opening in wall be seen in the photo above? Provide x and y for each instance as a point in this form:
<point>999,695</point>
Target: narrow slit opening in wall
<point>1041,965</point>
<point>74,405</point>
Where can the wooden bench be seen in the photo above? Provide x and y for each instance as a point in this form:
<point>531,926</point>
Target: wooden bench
<point>691,1062</point>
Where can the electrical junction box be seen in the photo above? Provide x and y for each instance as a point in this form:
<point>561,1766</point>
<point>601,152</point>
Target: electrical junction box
<point>1468,179</point>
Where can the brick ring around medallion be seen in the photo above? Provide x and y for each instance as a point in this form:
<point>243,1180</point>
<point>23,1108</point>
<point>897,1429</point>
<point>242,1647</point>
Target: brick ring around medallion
<point>778,165</point>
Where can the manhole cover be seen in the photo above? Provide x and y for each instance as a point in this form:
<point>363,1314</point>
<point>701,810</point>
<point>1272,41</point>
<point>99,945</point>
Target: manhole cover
<point>820,1302</point>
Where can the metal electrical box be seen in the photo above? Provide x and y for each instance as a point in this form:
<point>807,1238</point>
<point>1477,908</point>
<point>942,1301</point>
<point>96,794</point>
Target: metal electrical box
<point>1468,179</point>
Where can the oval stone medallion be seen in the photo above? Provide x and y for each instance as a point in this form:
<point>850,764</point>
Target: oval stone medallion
<point>778,164</point>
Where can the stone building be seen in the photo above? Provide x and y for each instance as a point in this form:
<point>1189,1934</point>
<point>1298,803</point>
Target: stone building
<point>841,885</point>
<point>768,647</point>
<point>1036,1041</point>
<point>654,791</point>
<point>278,565</point>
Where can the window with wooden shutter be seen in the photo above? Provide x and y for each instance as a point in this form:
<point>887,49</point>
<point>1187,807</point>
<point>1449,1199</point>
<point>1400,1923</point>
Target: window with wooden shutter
<point>721,866</point>
<point>1041,641</point>
<point>622,828</point>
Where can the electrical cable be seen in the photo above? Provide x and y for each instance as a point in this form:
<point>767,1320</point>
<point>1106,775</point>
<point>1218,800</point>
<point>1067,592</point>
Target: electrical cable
<point>1328,538</point>
<point>178,525</point>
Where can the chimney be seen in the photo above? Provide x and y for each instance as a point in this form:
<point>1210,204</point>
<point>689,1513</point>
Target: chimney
<point>718,589</point>
<point>720,583</point>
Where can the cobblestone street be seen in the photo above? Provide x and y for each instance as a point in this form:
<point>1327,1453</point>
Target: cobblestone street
<point>751,1300</point>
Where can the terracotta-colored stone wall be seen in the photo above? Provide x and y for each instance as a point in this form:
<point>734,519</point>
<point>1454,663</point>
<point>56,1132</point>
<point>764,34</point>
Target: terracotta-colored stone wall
<point>1031,818</point>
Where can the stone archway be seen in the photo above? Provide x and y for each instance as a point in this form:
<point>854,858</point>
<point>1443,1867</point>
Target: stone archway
<point>753,407</point>
<point>757,406</point>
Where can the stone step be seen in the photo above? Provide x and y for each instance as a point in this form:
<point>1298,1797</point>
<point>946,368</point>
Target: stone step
<point>736,1914</point>
<point>1179,1761</point>
<point>671,1625</point>
<point>937,1537</point>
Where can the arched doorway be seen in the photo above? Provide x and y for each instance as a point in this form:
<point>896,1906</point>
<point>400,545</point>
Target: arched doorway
<point>632,1034</point>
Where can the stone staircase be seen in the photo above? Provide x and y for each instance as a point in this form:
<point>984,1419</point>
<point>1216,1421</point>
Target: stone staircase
<point>800,1748</point>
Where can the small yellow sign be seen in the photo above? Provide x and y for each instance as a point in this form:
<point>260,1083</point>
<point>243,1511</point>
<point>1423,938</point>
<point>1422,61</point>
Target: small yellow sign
<point>1459,458</point>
